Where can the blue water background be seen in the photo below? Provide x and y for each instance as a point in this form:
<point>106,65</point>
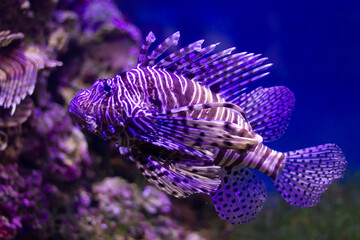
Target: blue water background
<point>314,45</point>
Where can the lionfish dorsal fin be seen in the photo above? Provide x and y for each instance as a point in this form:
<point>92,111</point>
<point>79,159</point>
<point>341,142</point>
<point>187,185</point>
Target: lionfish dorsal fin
<point>269,110</point>
<point>225,73</point>
<point>162,47</point>
<point>150,38</point>
<point>240,196</point>
<point>229,77</point>
<point>184,55</point>
<point>148,59</point>
<point>197,67</point>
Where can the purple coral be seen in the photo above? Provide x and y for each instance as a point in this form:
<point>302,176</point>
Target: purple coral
<point>47,188</point>
<point>119,213</point>
<point>155,201</point>
<point>117,198</point>
<point>19,67</point>
<point>22,202</point>
<point>104,16</point>
<point>22,113</point>
<point>61,146</point>
<point>7,229</point>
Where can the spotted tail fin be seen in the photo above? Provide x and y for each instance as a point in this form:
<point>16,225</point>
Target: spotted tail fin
<point>308,172</point>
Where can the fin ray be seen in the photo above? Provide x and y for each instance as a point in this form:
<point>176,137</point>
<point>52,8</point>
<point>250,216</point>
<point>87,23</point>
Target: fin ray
<point>150,38</point>
<point>308,172</point>
<point>162,47</point>
<point>225,73</point>
<point>180,178</point>
<point>189,134</point>
<point>269,110</point>
<point>170,62</point>
<point>198,132</point>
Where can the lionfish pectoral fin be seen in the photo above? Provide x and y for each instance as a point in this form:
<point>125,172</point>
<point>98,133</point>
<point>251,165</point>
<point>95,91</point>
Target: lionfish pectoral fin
<point>240,195</point>
<point>198,133</point>
<point>269,110</point>
<point>147,129</point>
<point>170,144</point>
<point>308,172</point>
<point>180,178</point>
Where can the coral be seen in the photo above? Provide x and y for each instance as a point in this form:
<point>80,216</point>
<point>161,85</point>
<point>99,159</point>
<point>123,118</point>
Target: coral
<point>3,140</point>
<point>18,73</point>
<point>155,201</point>
<point>117,199</point>
<point>102,18</point>
<point>54,179</point>
<point>60,148</point>
<point>11,143</point>
<point>122,212</point>
<point>6,37</point>
<point>21,114</point>
<point>22,201</point>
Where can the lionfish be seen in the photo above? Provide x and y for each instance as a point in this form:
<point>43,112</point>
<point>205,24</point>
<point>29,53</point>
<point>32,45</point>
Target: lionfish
<point>19,66</point>
<point>190,127</point>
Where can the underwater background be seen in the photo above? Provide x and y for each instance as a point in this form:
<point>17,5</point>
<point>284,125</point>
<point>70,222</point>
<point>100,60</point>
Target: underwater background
<point>57,182</point>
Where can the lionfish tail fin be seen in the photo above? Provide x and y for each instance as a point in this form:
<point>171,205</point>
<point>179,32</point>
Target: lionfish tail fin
<point>308,172</point>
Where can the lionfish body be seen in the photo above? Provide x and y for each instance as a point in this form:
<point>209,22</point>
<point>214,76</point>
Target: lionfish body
<point>190,127</point>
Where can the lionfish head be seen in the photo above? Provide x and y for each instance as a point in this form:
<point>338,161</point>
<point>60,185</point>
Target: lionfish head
<point>97,109</point>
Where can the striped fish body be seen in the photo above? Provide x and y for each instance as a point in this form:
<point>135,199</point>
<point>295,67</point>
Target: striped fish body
<point>162,90</point>
<point>190,126</point>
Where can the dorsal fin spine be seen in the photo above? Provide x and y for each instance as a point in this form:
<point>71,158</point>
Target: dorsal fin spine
<point>150,38</point>
<point>230,71</point>
<point>223,72</point>
<point>180,63</point>
<point>162,47</point>
<point>196,64</point>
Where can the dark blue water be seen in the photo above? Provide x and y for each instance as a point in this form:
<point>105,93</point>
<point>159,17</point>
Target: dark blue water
<point>314,45</point>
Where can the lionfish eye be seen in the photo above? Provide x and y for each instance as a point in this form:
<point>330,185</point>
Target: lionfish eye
<point>107,88</point>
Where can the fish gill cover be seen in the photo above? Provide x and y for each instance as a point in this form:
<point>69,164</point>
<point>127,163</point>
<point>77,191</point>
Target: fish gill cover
<point>187,120</point>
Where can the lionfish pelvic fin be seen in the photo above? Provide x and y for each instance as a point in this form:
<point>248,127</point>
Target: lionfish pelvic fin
<point>180,177</point>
